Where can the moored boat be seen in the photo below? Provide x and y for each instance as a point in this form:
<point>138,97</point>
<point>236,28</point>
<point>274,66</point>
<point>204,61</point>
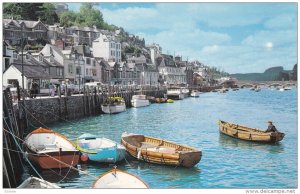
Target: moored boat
<point>170,101</point>
<point>176,93</point>
<point>100,149</point>
<point>160,100</point>
<point>249,134</point>
<point>116,178</point>
<point>139,101</point>
<point>49,149</point>
<point>113,105</point>
<point>37,183</point>
<point>195,93</point>
<point>160,151</point>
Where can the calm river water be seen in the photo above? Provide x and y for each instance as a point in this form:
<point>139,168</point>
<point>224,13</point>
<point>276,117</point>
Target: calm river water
<point>226,162</point>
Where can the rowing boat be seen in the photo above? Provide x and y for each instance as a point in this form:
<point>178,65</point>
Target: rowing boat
<point>249,134</point>
<point>158,151</point>
<point>37,183</point>
<point>100,149</point>
<point>49,149</point>
<point>116,178</point>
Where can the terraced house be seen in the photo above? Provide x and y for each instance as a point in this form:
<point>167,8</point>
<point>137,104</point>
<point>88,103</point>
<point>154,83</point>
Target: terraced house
<point>33,31</point>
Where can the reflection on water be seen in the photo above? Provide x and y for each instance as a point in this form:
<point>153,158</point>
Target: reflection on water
<point>227,141</point>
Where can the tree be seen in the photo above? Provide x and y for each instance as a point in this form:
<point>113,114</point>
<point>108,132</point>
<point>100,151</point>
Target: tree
<point>88,16</point>
<point>12,10</point>
<point>30,11</point>
<point>48,14</point>
<point>67,18</point>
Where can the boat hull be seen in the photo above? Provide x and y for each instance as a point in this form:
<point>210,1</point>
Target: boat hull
<point>113,109</point>
<point>108,155</point>
<point>249,134</point>
<point>139,103</point>
<point>159,151</point>
<point>174,96</point>
<point>64,159</point>
<point>195,94</point>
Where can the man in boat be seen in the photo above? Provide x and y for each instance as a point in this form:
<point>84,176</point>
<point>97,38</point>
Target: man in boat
<point>271,127</point>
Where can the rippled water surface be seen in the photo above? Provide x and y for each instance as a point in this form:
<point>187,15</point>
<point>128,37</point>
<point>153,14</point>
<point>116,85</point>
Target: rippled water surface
<point>226,162</point>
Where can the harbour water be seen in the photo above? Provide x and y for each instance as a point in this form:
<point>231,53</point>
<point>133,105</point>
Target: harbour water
<point>226,162</point>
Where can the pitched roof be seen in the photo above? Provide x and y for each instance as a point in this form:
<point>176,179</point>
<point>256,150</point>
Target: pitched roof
<point>32,71</point>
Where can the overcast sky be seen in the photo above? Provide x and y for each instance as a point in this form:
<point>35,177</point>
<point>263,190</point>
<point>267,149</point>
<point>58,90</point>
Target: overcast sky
<point>236,37</point>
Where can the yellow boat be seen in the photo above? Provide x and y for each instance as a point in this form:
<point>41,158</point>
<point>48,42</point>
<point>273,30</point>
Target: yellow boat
<point>158,151</point>
<point>249,134</point>
<point>170,101</point>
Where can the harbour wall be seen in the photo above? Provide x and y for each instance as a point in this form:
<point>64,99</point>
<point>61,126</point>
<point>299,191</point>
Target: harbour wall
<point>46,110</point>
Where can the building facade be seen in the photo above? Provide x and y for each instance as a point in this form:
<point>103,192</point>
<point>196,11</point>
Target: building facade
<point>108,48</point>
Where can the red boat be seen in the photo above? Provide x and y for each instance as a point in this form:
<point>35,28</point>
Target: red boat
<point>49,149</point>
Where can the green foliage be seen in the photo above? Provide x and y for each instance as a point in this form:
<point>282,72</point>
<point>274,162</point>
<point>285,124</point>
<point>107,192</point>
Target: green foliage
<point>67,18</point>
<point>48,14</point>
<point>128,49</point>
<point>31,11</point>
<point>87,16</point>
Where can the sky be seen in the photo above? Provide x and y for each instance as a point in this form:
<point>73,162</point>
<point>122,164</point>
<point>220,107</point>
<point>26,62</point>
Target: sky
<point>235,37</point>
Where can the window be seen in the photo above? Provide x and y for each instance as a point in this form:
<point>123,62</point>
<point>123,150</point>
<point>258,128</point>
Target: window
<point>78,70</point>
<point>94,72</point>
<point>40,58</point>
<point>27,56</point>
<point>94,63</point>
<point>70,68</point>
<point>7,63</point>
<point>15,55</point>
<point>87,71</point>
<point>88,61</point>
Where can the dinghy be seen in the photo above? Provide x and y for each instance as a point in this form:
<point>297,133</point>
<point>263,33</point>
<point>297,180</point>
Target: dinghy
<point>160,151</point>
<point>100,149</point>
<point>49,149</point>
<point>195,93</point>
<point>37,183</point>
<point>249,134</point>
<point>118,179</point>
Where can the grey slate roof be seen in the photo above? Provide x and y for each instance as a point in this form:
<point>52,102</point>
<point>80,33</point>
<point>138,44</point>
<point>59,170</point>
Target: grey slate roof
<point>32,71</point>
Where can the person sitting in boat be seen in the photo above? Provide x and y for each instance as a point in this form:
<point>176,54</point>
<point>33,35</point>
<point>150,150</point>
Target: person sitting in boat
<point>271,127</point>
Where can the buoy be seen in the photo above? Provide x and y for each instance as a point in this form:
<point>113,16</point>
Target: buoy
<point>84,157</point>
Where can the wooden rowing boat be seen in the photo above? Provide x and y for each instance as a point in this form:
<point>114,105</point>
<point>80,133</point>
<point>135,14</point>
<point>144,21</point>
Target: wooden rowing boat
<point>37,183</point>
<point>159,151</point>
<point>249,134</point>
<point>118,179</point>
<point>49,149</point>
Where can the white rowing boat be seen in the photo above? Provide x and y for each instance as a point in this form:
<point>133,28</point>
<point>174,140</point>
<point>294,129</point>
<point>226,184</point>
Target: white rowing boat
<point>116,178</point>
<point>37,183</point>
